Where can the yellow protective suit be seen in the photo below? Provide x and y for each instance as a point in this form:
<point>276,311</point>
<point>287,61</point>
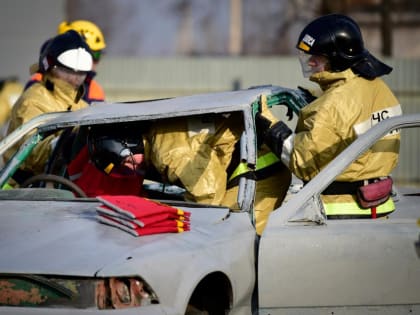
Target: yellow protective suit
<point>195,153</point>
<point>349,106</point>
<point>10,90</point>
<point>270,191</point>
<point>50,95</point>
<point>272,179</point>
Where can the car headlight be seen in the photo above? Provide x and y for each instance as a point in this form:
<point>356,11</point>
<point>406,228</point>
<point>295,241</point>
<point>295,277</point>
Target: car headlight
<point>69,292</point>
<point>122,293</point>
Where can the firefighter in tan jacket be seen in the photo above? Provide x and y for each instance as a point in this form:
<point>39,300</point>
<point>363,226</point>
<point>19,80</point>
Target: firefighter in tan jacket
<point>354,99</point>
<point>65,63</point>
<point>192,152</point>
<point>195,153</point>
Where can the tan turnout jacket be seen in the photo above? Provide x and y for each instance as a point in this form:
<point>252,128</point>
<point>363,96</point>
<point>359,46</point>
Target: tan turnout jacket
<point>195,152</point>
<point>37,100</point>
<point>349,106</point>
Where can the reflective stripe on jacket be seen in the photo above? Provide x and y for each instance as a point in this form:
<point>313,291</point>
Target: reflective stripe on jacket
<point>263,162</point>
<point>273,179</point>
<point>352,210</point>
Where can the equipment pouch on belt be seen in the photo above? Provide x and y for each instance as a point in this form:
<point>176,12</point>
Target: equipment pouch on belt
<point>374,194</point>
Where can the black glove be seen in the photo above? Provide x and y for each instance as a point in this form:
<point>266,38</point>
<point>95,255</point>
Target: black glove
<point>262,126</point>
<point>264,118</point>
<point>275,137</point>
<point>289,113</point>
<point>308,96</point>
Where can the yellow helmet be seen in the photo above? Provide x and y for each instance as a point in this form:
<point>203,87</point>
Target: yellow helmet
<point>89,31</point>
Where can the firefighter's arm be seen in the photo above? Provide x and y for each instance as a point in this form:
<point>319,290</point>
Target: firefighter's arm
<point>307,94</point>
<point>279,138</point>
<point>276,134</point>
<point>264,119</point>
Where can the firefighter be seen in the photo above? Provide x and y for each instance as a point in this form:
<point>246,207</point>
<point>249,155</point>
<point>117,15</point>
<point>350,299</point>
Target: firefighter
<point>93,36</point>
<point>199,154</point>
<point>194,153</point>
<point>354,99</point>
<point>65,63</point>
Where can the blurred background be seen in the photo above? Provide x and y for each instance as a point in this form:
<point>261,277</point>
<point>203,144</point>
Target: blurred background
<point>161,48</point>
<point>164,48</point>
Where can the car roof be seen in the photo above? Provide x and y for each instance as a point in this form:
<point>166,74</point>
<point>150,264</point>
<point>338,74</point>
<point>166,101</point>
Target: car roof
<point>107,112</point>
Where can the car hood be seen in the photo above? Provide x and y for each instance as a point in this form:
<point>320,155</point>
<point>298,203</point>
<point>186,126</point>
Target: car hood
<point>65,237</point>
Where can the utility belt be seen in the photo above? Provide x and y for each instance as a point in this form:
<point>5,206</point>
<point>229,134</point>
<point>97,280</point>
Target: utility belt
<point>266,166</point>
<point>373,194</point>
<point>348,188</point>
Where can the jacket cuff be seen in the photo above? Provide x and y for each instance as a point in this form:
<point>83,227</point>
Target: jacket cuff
<point>276,137</point>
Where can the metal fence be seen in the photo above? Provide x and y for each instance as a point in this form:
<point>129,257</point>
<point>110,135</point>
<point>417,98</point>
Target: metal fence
<point>129,79</point>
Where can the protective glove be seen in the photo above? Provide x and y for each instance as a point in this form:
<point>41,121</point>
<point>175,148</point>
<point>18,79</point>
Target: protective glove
<point>276,136</point>
<point>264,119</point>
<point>307,95</point>
<point>265,111</point>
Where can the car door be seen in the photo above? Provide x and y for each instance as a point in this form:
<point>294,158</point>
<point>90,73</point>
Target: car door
<point>350,263</point>
<point>309,264</point>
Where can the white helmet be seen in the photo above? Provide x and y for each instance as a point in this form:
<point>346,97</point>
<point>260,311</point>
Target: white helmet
<point>68,50</point>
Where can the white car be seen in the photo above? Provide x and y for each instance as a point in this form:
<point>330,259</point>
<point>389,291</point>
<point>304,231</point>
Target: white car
<point>56,258</point>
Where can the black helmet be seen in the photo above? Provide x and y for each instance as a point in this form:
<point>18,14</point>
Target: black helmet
<point>109,146</point>
<point>338,37</point>
<point>68,50</point>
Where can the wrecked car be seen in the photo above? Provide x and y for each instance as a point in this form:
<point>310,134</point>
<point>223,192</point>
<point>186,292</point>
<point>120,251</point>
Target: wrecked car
<point>56,258</point>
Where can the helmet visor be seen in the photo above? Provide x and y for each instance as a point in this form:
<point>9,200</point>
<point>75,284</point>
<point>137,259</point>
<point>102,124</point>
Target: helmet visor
<point>304,63</point>
<point>312,64</point>
<point>75,78</point>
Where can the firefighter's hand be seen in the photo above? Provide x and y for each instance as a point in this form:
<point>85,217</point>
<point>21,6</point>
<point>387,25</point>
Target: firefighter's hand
<point>265,112</point>
<point>264,119</point>
<point>307,95</point>
<point>276,136</point>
